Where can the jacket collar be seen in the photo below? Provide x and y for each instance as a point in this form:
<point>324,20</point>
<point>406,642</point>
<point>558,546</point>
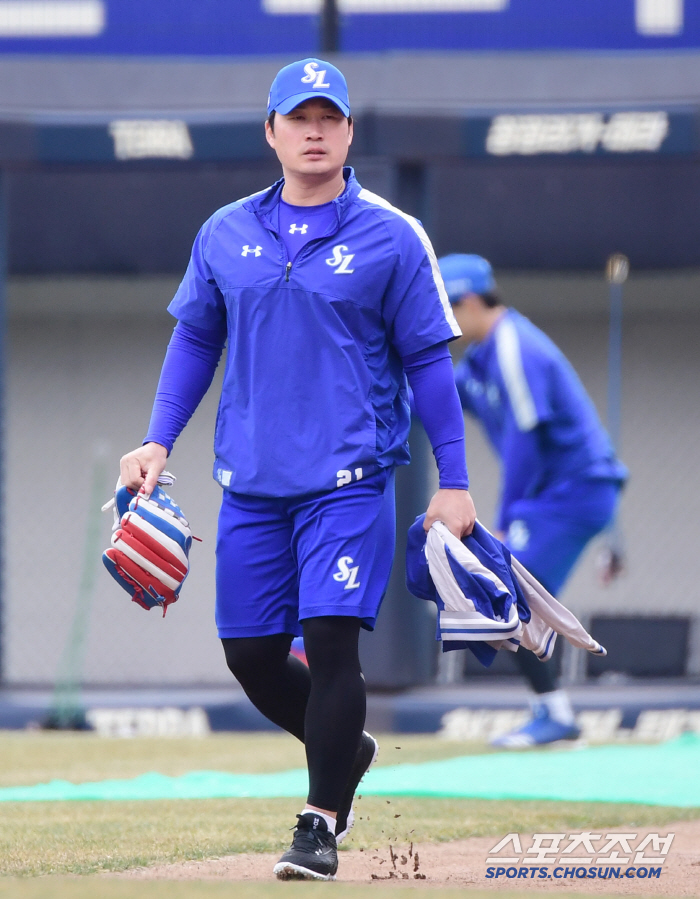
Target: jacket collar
<point>265,205</point>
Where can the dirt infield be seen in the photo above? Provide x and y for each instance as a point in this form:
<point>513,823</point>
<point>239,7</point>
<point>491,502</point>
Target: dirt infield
<point>458,864</point>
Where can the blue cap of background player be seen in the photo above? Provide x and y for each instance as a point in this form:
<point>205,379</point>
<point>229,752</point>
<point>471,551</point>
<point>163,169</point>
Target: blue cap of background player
<point>464,273</point>
<point>306,79</point>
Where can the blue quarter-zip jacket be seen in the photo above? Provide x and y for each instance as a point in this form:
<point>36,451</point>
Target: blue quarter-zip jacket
<point>314,393</point>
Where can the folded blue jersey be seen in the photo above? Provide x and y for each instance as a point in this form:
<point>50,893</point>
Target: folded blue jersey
<point>479,600</point>
<point>486,599</point>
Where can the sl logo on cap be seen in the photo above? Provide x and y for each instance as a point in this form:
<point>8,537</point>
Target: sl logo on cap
<point>314,75</point>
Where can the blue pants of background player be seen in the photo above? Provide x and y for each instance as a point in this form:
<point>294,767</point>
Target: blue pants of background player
<point>548,533</point>
<point>317,565</point>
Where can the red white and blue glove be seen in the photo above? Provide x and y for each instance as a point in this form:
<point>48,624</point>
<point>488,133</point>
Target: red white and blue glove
<point>151,540</point>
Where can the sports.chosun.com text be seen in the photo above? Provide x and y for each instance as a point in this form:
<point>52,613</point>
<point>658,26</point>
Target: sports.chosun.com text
<point>558,873</point>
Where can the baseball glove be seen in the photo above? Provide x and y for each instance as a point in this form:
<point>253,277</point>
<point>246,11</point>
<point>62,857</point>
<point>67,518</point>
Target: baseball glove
<point>151,540</point>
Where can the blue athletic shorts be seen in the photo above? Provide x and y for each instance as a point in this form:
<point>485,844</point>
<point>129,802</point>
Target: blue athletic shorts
<point>548,533</point>
<point>280,560</point>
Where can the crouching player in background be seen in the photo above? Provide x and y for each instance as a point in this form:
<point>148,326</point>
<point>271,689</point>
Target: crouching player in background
<point>560,478</point>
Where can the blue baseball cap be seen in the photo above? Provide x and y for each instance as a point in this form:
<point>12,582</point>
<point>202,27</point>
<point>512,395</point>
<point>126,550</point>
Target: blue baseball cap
<point>465,273</point>
<point>306,79</point>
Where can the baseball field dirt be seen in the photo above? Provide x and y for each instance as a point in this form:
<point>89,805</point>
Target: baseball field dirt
<point>458,864</point>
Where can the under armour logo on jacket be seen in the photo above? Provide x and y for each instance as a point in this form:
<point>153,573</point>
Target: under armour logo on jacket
<point>347,574</point>
<point>314,75</point>
<point>248,249</point>
<point>342,259</point>
<point>302,229</point>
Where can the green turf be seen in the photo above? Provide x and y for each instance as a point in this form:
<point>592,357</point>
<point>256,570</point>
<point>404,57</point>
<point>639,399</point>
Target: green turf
<point>662,774</point>
<point>666,774</point>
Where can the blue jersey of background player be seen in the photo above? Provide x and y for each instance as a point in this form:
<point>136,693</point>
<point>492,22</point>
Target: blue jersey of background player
<point>560,476</point>
<point>326,297</point>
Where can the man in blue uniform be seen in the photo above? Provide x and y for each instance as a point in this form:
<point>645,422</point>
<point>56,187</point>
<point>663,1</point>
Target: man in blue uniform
<point>560,478</point>
<point>326,297</point>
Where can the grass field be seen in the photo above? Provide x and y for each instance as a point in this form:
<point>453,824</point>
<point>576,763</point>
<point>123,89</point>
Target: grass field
<point>78,838</point>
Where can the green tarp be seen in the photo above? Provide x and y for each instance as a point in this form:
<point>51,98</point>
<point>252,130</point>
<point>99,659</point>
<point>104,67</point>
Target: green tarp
<point>666,774</point>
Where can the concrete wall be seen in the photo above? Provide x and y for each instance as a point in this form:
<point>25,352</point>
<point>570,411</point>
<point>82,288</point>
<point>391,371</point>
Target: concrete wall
<point>80,388</point>
<point>84,357</point>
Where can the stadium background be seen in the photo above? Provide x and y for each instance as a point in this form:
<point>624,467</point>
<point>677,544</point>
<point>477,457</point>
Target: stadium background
<point>544,136</point>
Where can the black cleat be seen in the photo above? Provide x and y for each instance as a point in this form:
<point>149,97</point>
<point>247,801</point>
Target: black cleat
<point>365,758</point>
<point>313,854</point>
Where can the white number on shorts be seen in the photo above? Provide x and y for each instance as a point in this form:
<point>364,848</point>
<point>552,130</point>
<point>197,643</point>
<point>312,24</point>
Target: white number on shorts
<point>345,476</point>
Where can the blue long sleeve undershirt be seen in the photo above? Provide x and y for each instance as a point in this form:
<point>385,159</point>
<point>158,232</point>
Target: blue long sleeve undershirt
<point>187,373</point>
<point>194,353</point>
<point>431,379</point>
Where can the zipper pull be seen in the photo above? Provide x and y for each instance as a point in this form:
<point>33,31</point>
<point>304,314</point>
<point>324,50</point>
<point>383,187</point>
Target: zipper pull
<point>287,271</point>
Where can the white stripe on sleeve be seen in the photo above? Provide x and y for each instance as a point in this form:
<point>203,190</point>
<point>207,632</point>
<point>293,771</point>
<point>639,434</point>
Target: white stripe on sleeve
<point>430,253</point>
<point>511,363</point>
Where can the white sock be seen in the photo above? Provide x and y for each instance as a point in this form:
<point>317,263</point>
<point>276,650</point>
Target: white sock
<point>558,705</point>
<point>327,818</point>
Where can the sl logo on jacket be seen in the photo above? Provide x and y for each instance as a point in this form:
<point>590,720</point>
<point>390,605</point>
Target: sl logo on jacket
<point>341,261</point>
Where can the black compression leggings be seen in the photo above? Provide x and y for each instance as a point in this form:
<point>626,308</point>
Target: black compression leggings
<point>323,705</point>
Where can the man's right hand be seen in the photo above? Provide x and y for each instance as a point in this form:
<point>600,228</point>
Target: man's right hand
<point>142,467</point>
<point>455,509</point>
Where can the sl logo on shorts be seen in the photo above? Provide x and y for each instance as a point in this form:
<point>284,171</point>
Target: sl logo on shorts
<point>347,574</point>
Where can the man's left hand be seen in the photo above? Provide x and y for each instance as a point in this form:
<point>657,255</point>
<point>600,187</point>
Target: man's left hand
<point>455,509</point>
